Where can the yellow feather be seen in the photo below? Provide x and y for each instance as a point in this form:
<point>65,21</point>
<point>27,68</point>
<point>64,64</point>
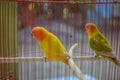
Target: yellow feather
<point>50,45</point>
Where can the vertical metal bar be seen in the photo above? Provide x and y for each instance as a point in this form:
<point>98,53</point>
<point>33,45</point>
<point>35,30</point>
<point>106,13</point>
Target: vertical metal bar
<point>119,39</point>
<point>83,23</point>
<point>109,67</point>
<point>74,29</point>
<point>5,51</point>
<point>118,29</point>
<point>33,16</point>
<point>105,28</point>
<point>29,8</point>
<point>23,38</point>
<point>1,3</point>
<point>50,28</point>
<point>93,68</point>
<point>19,38</point>
<point>92,71</point>
<point>109,36</point>
<point>64,37</point>
<point>9,32</point>
<point>99,67</point>
<point>16,35</point>
<point>115,40</point>
<point>41,22</point>
<point>14,26</point>
<point>33,46</point>
<point>59,15</point>
<point>7,41</point>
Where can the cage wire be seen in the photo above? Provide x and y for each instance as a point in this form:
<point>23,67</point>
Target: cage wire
<point>20,55</point>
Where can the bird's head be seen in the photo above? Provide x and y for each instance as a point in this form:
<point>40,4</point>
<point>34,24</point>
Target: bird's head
<point>39,33</point>
<point>91,28</point>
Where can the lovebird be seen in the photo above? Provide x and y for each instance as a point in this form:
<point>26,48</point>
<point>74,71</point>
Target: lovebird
<point>99,44</point>
<point>50,45</point>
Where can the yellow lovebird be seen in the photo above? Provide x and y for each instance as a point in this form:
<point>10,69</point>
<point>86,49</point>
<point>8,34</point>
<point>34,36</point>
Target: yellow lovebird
<point>50,45</point>
<point>100,44</point>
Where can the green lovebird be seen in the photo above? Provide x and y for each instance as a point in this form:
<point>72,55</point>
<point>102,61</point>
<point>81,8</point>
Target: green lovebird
<point>99,44</point>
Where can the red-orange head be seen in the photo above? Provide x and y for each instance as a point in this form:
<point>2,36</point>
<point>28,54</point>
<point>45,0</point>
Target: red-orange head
<point>39,33</point>
<point>91,29</point>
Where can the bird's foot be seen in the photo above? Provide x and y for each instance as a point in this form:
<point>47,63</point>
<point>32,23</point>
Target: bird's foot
<point>96,56</point>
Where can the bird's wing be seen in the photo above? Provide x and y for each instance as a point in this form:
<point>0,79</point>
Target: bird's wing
<point>100,43</point>
<point>56,46</point>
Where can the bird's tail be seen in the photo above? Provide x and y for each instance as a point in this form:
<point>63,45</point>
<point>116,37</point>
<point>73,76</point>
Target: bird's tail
<point>115,61</point>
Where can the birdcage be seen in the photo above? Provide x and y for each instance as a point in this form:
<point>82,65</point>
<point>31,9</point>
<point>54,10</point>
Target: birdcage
<point>21,57</point>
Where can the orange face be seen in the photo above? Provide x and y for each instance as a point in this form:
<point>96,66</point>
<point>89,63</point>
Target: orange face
<point>38,33</point>
<point>90,28</point>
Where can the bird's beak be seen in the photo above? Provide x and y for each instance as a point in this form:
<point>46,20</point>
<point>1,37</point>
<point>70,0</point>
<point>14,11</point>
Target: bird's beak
<point>86,28</point>
<point>31,34</point>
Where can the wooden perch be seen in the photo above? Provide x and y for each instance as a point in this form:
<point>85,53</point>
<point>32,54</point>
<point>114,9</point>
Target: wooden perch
<point>21,59</point>
<point>73,66</point>
<point>42,59</point>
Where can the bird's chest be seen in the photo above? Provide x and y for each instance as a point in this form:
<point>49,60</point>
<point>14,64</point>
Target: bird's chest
<point>95,43</point>
<point>91,44</point>
<point>48,47</point>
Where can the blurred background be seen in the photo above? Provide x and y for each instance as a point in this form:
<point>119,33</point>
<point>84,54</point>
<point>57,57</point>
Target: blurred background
<point>66,19</point>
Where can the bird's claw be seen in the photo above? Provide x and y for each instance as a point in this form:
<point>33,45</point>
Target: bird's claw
<point>96,56</point>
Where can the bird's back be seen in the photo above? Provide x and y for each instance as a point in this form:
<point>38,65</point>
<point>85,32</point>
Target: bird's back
<point>99,43</point>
